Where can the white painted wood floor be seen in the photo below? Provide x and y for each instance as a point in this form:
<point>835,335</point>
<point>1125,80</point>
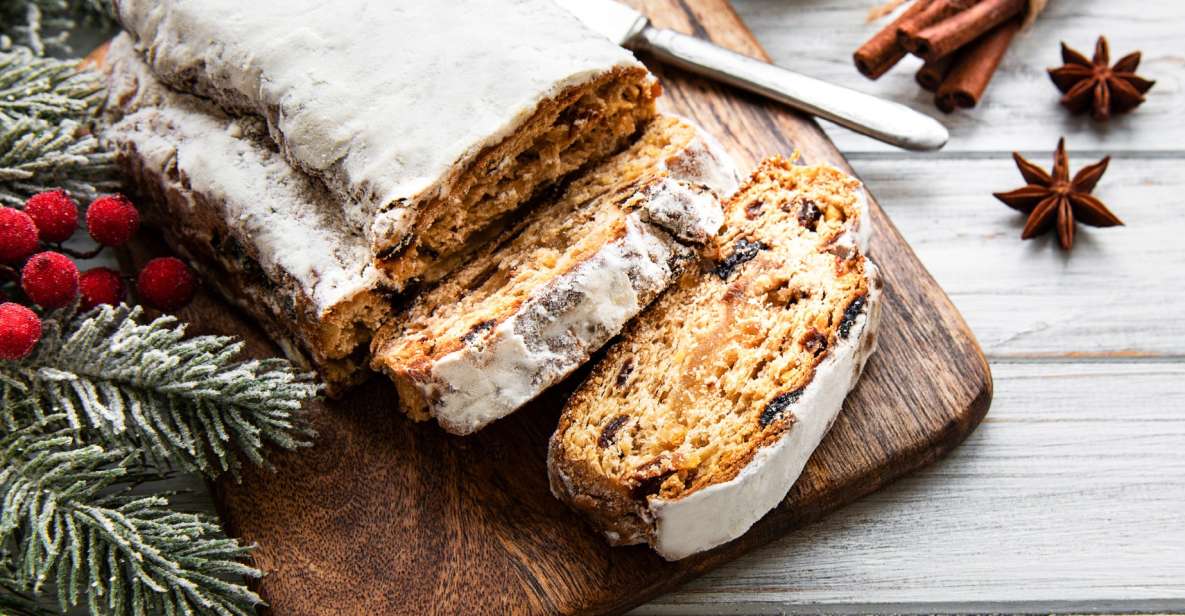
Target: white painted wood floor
<point>1071,495</point>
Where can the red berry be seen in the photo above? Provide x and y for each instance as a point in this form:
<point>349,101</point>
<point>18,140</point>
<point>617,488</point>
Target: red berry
<point>18,235</point>
<point>54,213</point>
<point>166,283</point>
<point>112,220</point>
<point>50,279</point>
<point>100,285</point>
<point>20,329</point>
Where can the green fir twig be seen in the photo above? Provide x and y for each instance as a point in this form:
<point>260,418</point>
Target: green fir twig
<point>107,403</point>
<point>67,526</point>
<point>184,402</point>
<point>46,88</point>
<point>37,155</point>
<point>45,143</point>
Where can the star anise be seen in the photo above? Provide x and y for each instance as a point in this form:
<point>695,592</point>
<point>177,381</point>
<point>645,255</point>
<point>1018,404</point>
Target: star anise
<point>1050,198</point>
<point>1095,85</point>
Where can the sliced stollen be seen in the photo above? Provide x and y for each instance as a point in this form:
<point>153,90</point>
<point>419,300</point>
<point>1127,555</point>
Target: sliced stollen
<point>270,239</point>
<point>532,307</point>
<point>698,421</point>
<point>429,121</point>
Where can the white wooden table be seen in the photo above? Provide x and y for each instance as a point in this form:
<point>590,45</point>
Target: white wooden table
<point>1071,495</point>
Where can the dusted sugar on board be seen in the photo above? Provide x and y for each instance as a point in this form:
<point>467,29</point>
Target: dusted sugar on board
<point>532,307</point>
<point>430,121</point>
<point>699,420</point>
<point>270,239</point>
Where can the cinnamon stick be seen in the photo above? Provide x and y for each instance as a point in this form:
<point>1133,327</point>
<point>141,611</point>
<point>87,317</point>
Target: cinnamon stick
<point>945,104</point>
<point>931,74</point>
<point>881,52</point>
<point>937,11</point>
<point>973,67</point>
<point>948,35</point>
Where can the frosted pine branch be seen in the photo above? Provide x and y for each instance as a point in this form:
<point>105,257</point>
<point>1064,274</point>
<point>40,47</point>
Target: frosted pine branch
<point>36,156</point>
<point>46,88</point>
<point>67,526</point>
<point>184,402</point>
<point>44,142</point>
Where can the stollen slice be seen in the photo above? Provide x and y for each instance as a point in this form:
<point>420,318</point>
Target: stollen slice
<point>701,417</point>
<point>530,308</point>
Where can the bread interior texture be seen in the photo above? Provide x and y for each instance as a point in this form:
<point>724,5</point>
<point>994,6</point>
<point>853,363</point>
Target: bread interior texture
<point>549,242</point>
<point>583,125</point>
<point>710,373</point>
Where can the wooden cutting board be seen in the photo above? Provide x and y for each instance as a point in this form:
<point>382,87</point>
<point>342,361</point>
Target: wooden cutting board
<point>384,516</point>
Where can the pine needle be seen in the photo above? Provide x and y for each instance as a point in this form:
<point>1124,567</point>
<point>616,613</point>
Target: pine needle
<point>66,524</point>
<point>46,88</point>
<point>36,155</point>
<point>185,402</point>
<point>45,106</point>
<point>13,601</point>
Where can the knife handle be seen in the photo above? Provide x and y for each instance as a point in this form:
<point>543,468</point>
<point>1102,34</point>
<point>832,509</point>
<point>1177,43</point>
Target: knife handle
<point>878,118</point>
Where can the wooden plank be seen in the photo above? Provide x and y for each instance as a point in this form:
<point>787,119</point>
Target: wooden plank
<point>1029,299</point>
<point>1020,109</point>
<point>430,522</point>
<point>1070,497</point>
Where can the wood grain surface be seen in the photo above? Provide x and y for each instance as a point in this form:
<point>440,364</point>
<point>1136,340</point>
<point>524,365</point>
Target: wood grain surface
<point>384,516</point>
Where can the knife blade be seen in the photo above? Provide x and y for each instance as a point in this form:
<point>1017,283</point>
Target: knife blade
<point>881,119</point>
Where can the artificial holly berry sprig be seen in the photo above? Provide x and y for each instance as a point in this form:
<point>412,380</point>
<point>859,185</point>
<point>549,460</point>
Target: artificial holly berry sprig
<point>49,279</point>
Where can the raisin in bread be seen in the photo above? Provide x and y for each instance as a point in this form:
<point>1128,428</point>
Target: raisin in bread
<point>698,421</point>
<point>531,307</point>
<point>429,121</point>
<point>270,239</point>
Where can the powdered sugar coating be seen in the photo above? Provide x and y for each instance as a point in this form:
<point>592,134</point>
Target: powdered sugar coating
<point>683,212</point>
<point>566,320</point>
<point>292,224</point>
<point>704,161</point>
<point>555,331</point>
<point>388,99</point>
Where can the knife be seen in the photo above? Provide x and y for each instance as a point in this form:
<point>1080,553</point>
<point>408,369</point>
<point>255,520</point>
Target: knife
<point>890,122</point>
